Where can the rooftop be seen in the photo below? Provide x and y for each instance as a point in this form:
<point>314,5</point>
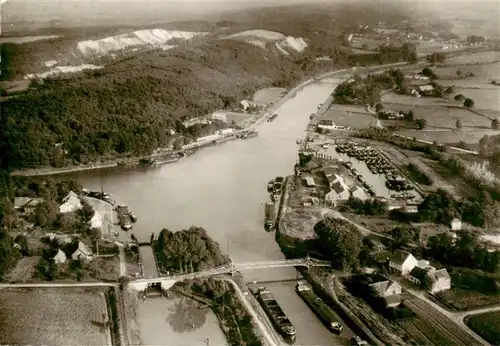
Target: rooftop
<point>399,256</point>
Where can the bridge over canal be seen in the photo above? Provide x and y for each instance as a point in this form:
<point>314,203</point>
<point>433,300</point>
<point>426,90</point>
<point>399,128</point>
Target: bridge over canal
<point>230,268</point>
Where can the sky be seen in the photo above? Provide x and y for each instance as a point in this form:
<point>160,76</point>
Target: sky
<point>90,12</point>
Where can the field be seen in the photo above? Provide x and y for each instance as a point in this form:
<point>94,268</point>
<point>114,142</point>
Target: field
<point>56,316</point>
<point>300,224</point>
<point>268,95</point>
<point>430,327</point>
<point>471,290</point>
<point>449,136</point>
<point>355,117</point>
<point>462,299</point>
<point>26,39</point>
<point>487,326</point>
<point>476,58</point>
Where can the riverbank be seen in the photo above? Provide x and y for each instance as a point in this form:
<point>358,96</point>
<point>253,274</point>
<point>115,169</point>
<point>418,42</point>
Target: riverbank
<point>135,160</point>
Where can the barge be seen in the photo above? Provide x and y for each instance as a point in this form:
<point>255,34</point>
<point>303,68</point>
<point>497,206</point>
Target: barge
<point>319,307</point>
<point>270,216</point>
<point>278,318</point>
<point>124,217</point>
<point>272,117</point>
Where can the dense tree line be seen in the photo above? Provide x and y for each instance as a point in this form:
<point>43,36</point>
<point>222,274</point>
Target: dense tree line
<point>373,207</point>
<point>467,250</point>
<point>441,207</point>
<point>340,241</point>
<point>131,106</point>
<point>188,250</point>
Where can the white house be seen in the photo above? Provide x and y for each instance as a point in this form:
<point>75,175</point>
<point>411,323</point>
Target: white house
<point>96,221</point>
<point>339,191</point>
<point>309,181</point>
<point>71,203</point>
<point>426,88</point>
<point>402,262</point>
<point>82,252</point>
<point>246,104</point>
<point>456,224</point>
<point>358,192</point>
<point>26,204</point>
<point>327,125</point>
<point>389,290</point>
<point>60,257</point>
<point>439,280</point>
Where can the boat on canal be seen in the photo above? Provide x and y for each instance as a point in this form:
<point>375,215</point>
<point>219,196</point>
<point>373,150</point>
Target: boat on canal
<point>278,318</point>
<point>270,216</point>
<point>319,307</point>
<point>272,117</point>
<point>124,217</point>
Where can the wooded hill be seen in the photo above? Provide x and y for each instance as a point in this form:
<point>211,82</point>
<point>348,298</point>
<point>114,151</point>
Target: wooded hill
<point>131,106</point>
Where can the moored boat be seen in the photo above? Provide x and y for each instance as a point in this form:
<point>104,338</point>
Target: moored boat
<point>319,307</point>
<point>278,318</point>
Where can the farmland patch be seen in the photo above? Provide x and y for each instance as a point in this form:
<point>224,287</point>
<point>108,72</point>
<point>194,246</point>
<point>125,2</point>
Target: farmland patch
<point>475,58</point>
<point>55,316</point>
<point>487,326</point>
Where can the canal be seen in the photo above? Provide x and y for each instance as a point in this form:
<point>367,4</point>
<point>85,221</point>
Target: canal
<point>223,189</point>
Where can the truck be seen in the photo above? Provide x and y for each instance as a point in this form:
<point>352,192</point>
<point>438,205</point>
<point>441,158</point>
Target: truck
<point>319,307</point>
<point>270,215</point>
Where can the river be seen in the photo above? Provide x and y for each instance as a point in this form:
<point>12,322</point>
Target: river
<point>223,189</point>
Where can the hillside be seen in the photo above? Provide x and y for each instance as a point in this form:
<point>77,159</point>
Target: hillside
<point>136,101</point>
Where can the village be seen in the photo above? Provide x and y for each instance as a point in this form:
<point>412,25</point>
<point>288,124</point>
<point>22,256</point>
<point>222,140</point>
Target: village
<point>409,278</point>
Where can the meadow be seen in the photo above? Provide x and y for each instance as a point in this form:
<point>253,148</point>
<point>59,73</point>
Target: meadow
<point>352,116</point>
<point>55,316</point>
<point>474,59</point>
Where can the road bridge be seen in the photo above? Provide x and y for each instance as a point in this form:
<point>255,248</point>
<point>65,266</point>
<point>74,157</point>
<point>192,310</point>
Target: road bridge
<point>230,268</point>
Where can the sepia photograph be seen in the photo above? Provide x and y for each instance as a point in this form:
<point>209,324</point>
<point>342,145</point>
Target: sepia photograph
<point>249,173</point>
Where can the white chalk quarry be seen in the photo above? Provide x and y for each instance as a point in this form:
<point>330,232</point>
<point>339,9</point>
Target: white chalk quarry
<point>262,38</point>
<point>153,37</point>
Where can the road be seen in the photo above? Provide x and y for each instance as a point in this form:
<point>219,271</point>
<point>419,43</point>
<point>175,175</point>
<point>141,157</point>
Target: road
<point>59,285</point>
<point>268,336</point>
<point>123,261</point>
<point>456,317</point>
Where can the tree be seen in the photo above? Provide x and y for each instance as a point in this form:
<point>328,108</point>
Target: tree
<point>378,107</point>
<point>495,124</point>
<point>45,213</point>
<point>459,97</point>
<point>449,90</point>
<point>421,123</point>
<point>428,72</point>
<point>468,103</point>
<point>340,241</point>
<point>458,124</point>
<point>409,116</point>
<point>436,58</point>
<point>459,72</point>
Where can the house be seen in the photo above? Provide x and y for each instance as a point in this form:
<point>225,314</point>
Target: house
<point>339,191</point>
<point>326,124</point>
<point>26,204</point>
<point>248,104</point>
<point>71,203</point>
<point>441,280</point>
<point>60,257</point>
<point>456,224</point>
<point>358,192</point>
<point>402,262</point>
<point>389,290</point>
<point>434,280</point>
<point>194,121</point>
<point>96,221</point>
<point>309,181</point>
<point>82,252</point>
<point>426,89</point>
